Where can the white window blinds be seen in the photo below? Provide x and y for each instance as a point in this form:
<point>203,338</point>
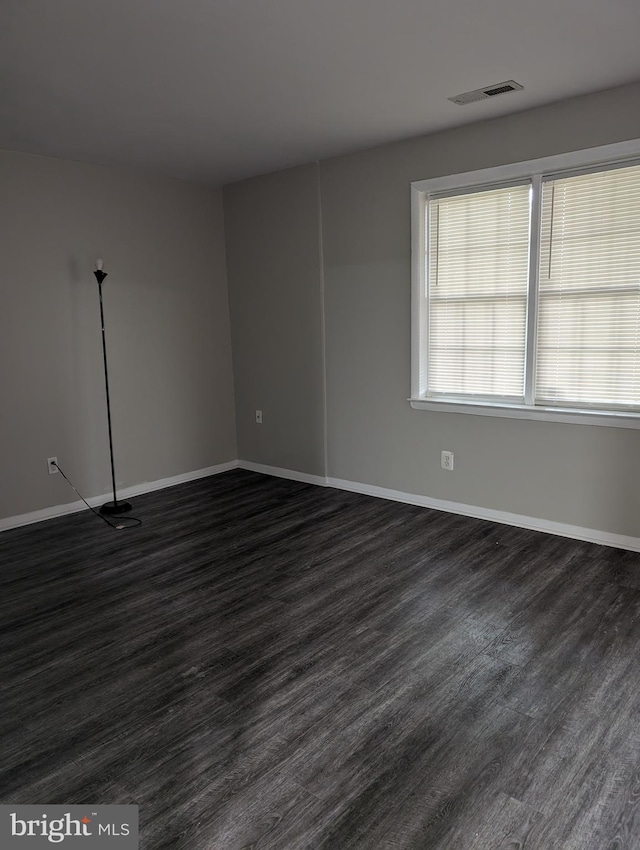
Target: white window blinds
<point>588,337</point>
<point>478,260</point>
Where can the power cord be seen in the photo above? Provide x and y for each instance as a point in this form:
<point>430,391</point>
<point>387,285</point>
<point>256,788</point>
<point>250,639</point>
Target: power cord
<point>121,520</point>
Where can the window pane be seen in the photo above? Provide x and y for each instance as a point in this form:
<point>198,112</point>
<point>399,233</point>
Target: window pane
<point>477,292</point>
<point>588,342</point>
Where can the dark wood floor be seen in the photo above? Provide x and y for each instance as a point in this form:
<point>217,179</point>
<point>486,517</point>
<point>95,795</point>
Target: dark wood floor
<point>267,664</point>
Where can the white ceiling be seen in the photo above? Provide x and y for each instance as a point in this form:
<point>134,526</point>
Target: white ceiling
<point>218,90</point>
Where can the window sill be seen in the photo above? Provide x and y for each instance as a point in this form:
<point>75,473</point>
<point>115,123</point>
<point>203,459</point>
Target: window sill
<point>572,416</point>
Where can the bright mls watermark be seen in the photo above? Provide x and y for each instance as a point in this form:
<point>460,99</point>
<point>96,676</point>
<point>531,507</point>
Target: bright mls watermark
<point>105,827</point>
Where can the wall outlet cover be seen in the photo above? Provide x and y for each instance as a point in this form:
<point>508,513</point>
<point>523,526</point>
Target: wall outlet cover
<point>446,460</point>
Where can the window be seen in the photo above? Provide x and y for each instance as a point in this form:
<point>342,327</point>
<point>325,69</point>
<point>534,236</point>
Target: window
<point>526,297</point>
<point>588,340</point>
<point>478,266</point>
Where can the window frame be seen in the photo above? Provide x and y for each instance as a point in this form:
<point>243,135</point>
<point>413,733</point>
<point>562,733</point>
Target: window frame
<point>561,165</point>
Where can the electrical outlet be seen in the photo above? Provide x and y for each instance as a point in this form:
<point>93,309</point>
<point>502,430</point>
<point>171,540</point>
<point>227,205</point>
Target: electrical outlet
<point>52,465</point>
<point>446,460</point>
<point>258,417</point>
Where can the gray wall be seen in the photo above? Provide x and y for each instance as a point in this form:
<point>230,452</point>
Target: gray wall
<point>169,336</point>
<point>273,263</point>
<point>576,474</point>
<point>167,329</point>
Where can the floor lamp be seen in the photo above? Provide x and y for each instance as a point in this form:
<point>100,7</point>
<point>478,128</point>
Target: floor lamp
<point>114,507</point>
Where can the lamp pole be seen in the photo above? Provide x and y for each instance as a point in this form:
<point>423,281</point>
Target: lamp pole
<point>114,507</point>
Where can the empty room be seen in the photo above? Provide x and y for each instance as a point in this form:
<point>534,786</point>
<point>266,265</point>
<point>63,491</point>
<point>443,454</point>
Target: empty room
<point>320,425</point>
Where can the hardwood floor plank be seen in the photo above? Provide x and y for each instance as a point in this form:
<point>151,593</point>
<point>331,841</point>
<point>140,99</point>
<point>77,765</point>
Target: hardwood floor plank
<point>265,663</point>
<point>506,824</point>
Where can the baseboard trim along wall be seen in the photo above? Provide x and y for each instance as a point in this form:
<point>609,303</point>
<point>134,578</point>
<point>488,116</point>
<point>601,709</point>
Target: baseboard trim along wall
<point>589,535</point>
<point>126,493</point>
<point>279,472</point>
<point>576,532</point>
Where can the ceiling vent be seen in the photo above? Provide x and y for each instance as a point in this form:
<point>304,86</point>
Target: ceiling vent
<point>486,92</point>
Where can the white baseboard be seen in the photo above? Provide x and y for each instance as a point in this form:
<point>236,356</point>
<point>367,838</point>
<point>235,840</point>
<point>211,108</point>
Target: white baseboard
<point>576,532</point>
<point>279,472</point>
<point>560,529</point>
<point>161,483</point>
<point>126,493</point>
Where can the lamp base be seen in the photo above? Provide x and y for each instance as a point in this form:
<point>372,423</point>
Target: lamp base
<point>114,508</point>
